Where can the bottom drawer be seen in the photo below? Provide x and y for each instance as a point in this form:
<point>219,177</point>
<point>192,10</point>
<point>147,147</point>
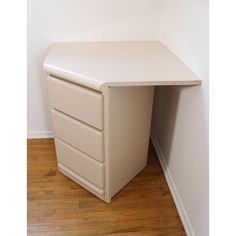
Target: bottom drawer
<point>82,182</point>
<point>79,163</point>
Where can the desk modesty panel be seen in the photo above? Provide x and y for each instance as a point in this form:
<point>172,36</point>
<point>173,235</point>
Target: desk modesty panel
<point>101,96</point>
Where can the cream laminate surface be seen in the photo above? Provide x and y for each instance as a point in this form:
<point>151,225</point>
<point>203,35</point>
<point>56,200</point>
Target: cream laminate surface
<point>103,64</point>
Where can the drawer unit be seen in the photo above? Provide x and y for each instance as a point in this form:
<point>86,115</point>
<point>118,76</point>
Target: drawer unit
<point>80,164</point>
<point>101,130</point>
<point>101,161</point>
<point>79,135</point>
<point>79,102</point>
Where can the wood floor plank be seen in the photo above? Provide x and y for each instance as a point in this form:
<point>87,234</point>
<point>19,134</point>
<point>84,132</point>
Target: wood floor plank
<point>59,207</point>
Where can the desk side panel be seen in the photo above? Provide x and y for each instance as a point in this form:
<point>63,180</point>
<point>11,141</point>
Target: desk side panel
<point>129,130</point>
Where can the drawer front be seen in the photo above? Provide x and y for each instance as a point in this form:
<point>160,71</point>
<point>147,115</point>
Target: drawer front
<point>82,182</point>
<point>82,103</point>
<point>79,135</point>
<point>79,163</point>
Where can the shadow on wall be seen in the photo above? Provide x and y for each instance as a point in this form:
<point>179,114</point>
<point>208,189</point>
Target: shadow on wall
<point>166,101</point>
<point>179,121</point>
<point>180,129</point>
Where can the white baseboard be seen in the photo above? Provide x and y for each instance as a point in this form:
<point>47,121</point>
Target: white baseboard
<point>173,189</point>
<point>39,134</point>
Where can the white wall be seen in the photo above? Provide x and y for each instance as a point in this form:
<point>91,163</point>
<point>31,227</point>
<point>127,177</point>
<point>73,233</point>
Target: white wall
<point>52,21</point>
<point>180,118</point>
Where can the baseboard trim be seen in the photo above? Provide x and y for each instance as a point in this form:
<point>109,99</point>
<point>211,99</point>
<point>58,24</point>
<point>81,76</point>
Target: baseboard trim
<point>173,189</point>
<point>39,134</point>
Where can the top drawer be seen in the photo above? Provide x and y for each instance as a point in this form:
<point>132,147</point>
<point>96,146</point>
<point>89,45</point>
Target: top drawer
<point>82,103</point>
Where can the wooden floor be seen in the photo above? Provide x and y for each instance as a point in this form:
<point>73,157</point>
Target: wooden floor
<point>58,206</point>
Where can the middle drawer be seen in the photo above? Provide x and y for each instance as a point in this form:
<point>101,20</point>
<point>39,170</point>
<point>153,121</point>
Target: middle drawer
<point>78,135</point>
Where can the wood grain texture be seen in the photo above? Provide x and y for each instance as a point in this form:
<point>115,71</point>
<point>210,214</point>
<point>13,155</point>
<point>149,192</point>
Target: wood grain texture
<point>58,206</point>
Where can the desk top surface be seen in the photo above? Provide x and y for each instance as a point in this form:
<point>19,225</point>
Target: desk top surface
<point>100,65</point>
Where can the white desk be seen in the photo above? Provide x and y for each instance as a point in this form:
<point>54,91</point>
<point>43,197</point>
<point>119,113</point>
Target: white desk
<point>101,95</point>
